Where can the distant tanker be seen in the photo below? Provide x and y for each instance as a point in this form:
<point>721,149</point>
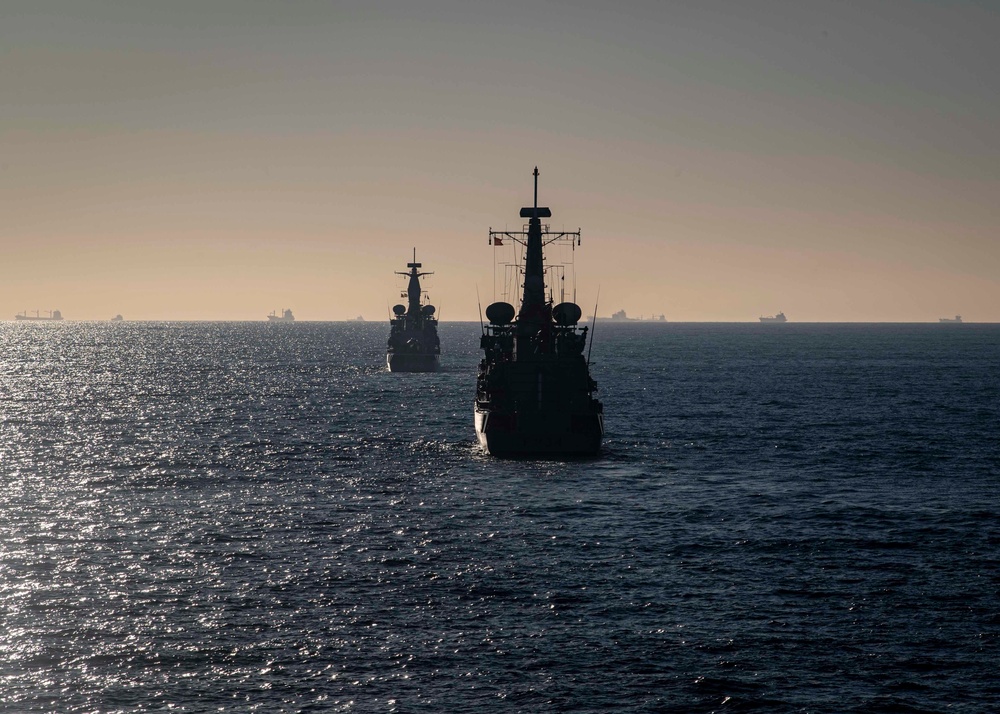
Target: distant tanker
<point>54,315</point>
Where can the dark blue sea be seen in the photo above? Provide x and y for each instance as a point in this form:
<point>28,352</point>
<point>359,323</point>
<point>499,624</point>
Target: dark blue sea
<point>242,517</point>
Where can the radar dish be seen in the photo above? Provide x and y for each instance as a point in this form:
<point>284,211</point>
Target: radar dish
<point>428,310</point>
<point>500,313</point>
<point>566,313</point>
<point>399,309</point>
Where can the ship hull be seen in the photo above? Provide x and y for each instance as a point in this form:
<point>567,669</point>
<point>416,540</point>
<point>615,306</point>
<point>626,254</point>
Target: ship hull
<point>539,435</point>
<point>402,362</point>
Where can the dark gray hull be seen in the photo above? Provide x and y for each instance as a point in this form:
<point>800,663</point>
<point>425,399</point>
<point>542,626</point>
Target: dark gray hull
<point>402,362</point>
<point>539,435</point>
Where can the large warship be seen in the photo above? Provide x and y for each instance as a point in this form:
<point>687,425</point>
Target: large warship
<point>534,393</point>
<point>413,339</point>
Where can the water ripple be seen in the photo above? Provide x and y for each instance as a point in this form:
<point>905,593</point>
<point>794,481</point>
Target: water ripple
<point>232,517</point>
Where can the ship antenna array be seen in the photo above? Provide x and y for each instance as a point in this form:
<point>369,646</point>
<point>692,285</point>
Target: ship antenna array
<point>521,238</point>
<point>479,300</point>
<point>593,327</point>
<point>536,190</point>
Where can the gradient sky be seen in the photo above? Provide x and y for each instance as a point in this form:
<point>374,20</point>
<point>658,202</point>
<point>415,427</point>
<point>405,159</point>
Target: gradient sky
<point>839,161</point>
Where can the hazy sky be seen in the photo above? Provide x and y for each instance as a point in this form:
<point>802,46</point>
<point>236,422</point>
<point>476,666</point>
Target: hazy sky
<point>839,161</point>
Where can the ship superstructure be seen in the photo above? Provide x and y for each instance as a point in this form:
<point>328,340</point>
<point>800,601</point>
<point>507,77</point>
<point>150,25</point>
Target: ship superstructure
<point>534,392</point>
<point>413,338</point>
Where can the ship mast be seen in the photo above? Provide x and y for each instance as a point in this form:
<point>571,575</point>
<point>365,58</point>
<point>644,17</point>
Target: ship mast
<point>534,275</point>
<point>413,288</point>
<point>535,313</point>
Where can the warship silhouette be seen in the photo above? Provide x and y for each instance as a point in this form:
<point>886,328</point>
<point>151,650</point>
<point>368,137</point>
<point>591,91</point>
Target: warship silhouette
<point>413,339</point>
<point>534,393</point>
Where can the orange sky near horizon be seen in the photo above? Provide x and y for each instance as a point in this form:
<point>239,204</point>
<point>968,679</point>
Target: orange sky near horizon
<point>217,161</point>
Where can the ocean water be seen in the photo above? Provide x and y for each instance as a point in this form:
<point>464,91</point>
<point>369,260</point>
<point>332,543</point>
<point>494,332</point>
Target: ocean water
<point>206,517</point>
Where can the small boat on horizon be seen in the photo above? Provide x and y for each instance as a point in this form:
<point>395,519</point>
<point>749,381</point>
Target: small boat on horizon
<point>780,317</point>
<point>53,316</point>
<point>621,316</point>
<point>285,316</point>
<point>117,318</point>
<point>953,320</point>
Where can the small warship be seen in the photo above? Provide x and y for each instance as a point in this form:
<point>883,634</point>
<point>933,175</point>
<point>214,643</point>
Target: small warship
<point>413,339</point>
<point>534,393</point>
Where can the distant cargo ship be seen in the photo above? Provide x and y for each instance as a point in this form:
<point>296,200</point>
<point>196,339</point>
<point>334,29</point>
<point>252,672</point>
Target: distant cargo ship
<point>780,317</point>
<point>957,318</point>
<point>285,316</point>
<point>620,316</point>
<point>54,315</point>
